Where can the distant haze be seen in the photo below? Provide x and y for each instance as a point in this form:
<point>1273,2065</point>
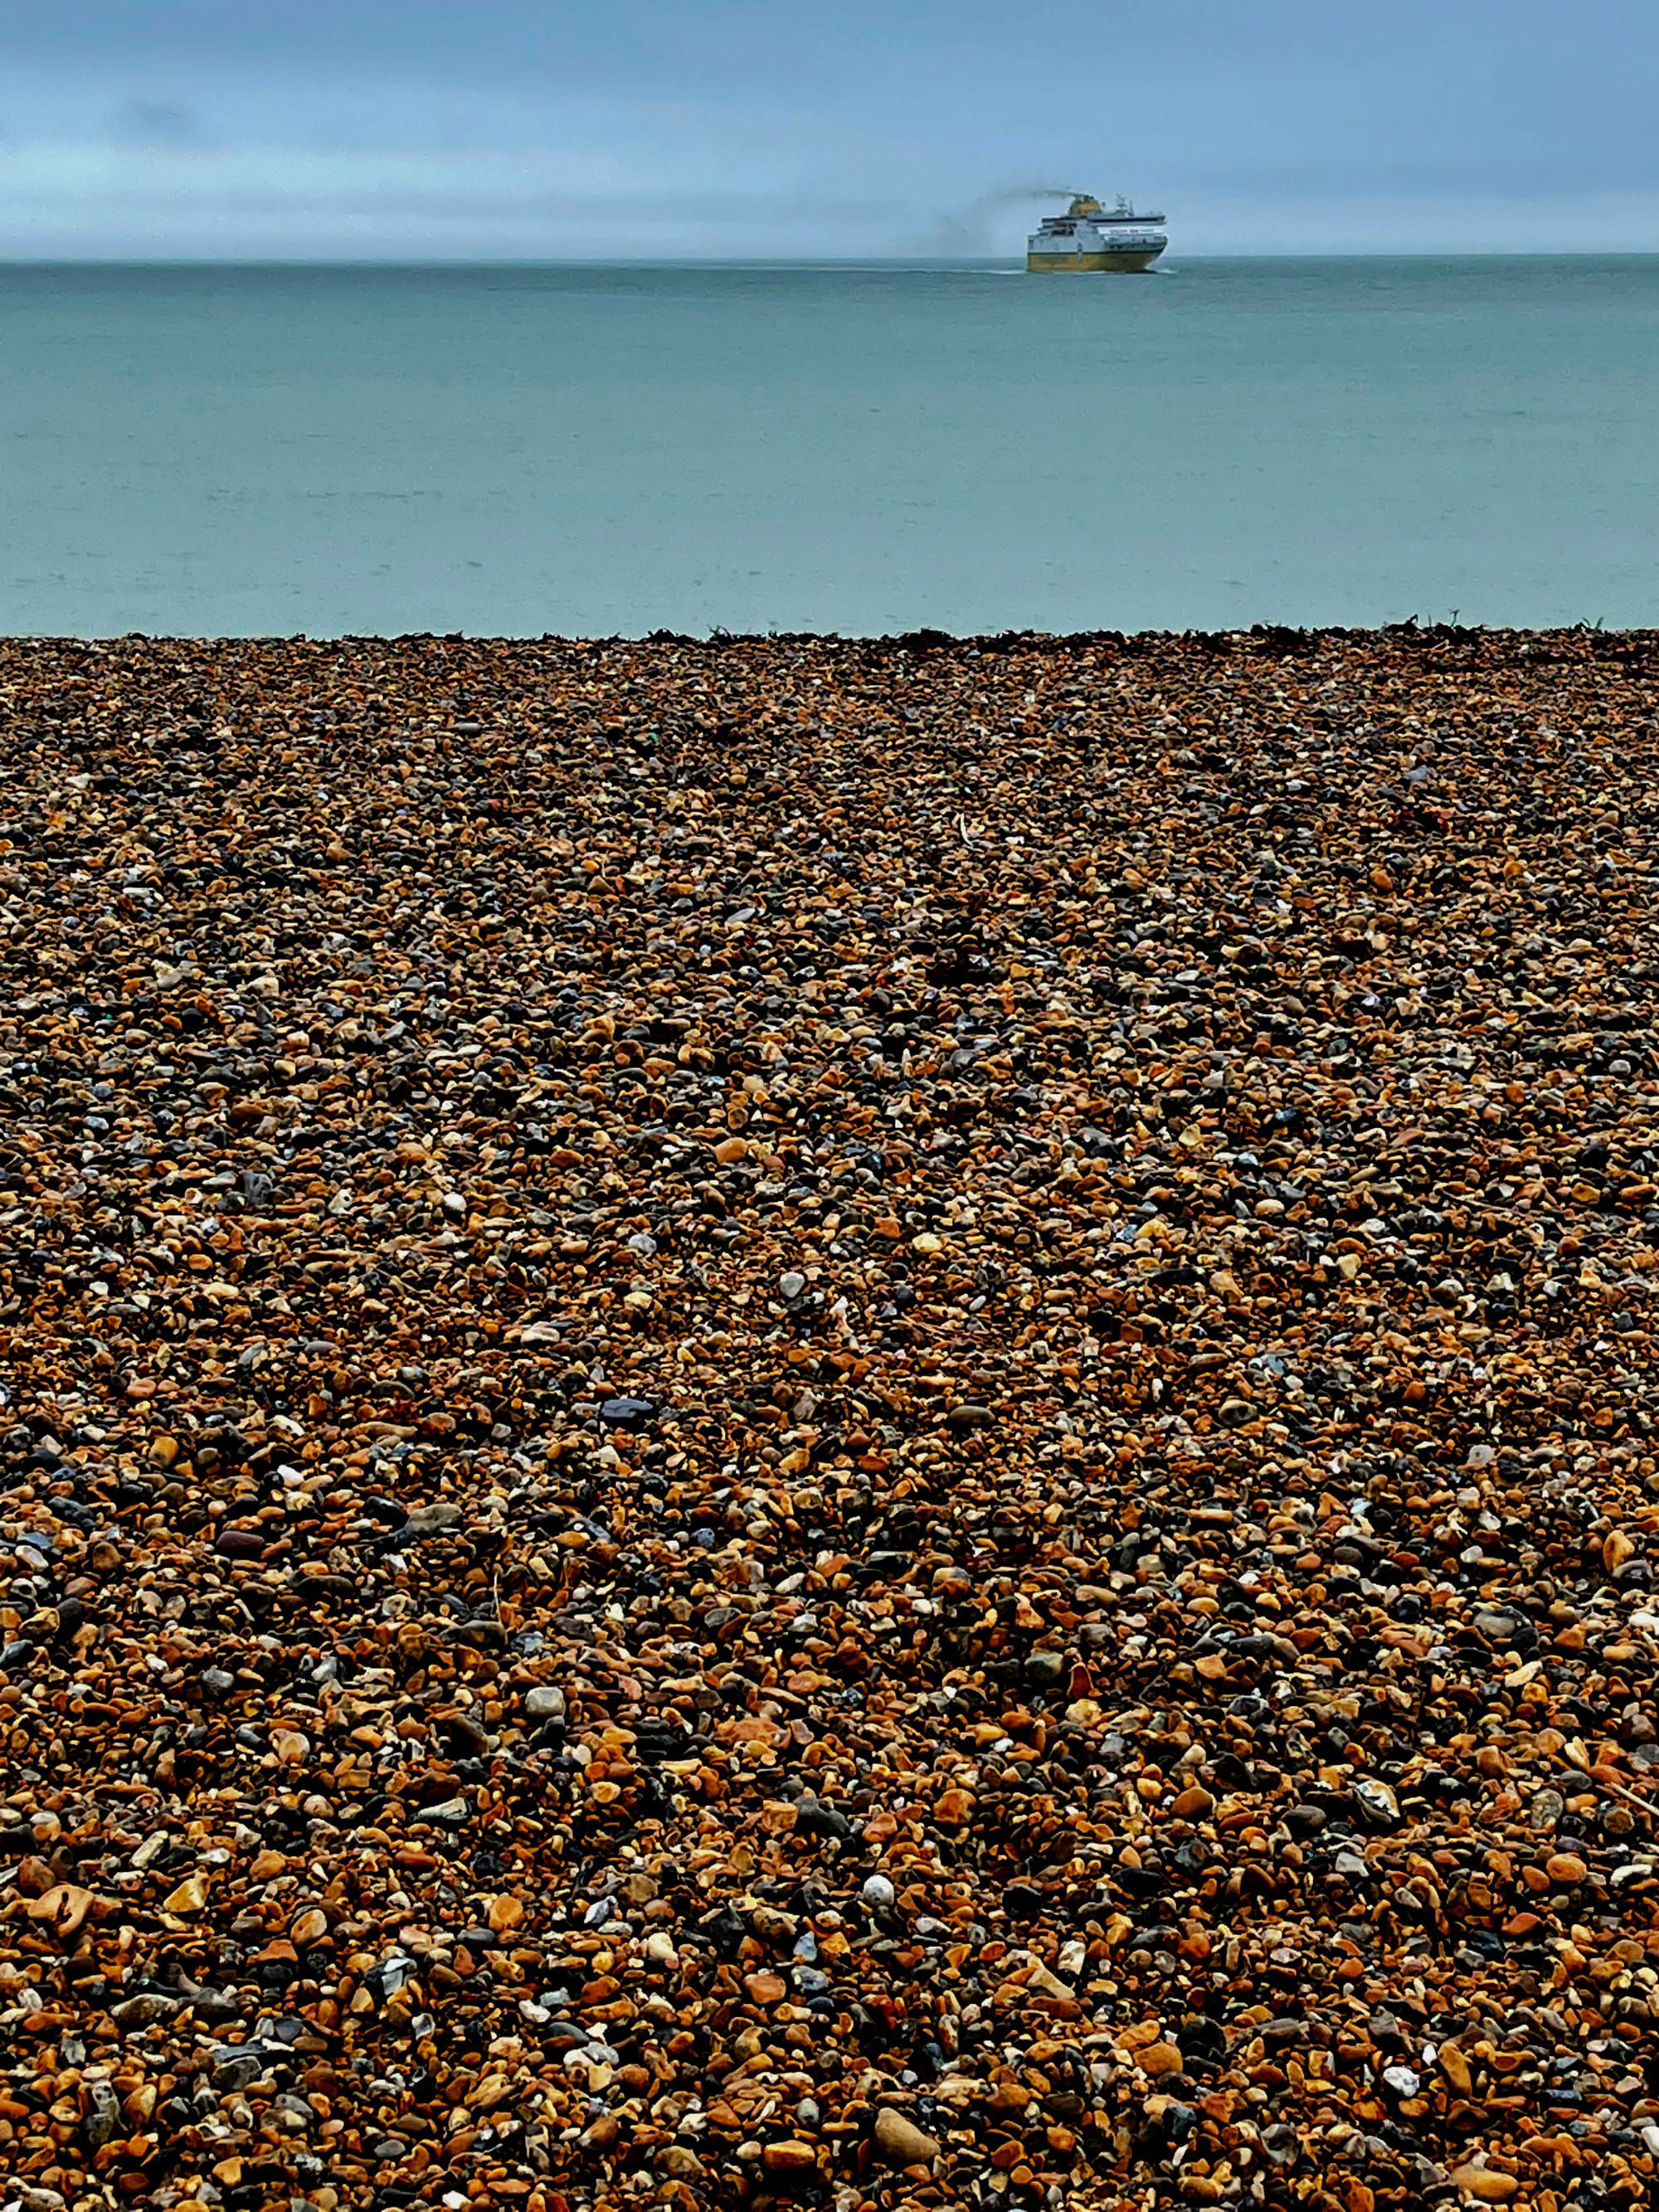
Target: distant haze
<point>441,128</point>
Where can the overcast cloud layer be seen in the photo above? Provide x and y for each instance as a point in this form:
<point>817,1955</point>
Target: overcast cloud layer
<point>436,129</point>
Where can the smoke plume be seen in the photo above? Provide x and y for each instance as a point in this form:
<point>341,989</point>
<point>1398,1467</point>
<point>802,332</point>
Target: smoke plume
<point>970,231</point>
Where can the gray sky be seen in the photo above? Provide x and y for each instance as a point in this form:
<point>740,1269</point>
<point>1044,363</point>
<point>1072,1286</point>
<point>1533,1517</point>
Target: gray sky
<point>443,128</point>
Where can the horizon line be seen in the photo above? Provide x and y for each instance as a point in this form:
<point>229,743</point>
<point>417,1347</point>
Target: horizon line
<point>784,261</point>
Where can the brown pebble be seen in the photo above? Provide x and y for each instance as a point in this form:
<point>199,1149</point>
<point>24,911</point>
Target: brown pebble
<point>790,2158</point>
<point>900,2142</point>
<point>1487,2185</point>
<point>1455,2068</point>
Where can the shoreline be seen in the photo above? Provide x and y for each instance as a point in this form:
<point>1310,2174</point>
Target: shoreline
<point>1285,638</point>
<point>849,1420</point>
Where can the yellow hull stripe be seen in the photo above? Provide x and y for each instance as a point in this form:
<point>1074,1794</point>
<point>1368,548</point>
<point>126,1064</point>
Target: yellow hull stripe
<point>1079,264</point>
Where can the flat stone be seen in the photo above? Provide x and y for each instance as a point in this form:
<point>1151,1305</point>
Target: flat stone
<point>1485,2186</point>
<point>900,2142</point>
<point>628,1413</point>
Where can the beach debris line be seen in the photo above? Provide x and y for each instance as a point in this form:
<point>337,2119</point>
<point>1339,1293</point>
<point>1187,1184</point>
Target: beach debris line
<point>859,1424</point>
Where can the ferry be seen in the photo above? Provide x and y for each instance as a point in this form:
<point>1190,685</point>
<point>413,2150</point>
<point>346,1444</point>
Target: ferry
<point>1089,237</point>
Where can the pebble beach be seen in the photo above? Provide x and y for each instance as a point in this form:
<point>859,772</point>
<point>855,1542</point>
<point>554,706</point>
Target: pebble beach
<point>844,1422</point>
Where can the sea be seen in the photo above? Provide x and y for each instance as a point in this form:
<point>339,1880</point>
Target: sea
<point>524,449</point>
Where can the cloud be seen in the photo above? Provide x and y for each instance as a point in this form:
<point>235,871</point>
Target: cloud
<point>162,126</point>
<point>507,127</point>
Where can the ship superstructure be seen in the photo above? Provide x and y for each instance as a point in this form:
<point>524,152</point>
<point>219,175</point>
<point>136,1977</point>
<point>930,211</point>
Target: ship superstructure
<point>1089,238</point>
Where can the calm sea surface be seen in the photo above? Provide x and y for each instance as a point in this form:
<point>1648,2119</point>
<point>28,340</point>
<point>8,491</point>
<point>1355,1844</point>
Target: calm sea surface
<point>589,450</point>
